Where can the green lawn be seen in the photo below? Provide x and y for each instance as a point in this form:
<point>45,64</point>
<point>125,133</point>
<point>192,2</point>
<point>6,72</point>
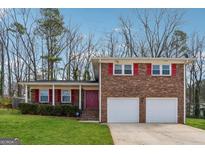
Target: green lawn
<point>198,123</point>
<point>33,129</point>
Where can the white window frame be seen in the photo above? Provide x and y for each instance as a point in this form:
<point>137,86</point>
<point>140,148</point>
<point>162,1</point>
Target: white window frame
<point>114,69</point>
<point>159,70</point>
<point>160,67</point>
<point>170,72</point>
<point>123,69</point>
<point>40,95</point>
<point>65,102</point>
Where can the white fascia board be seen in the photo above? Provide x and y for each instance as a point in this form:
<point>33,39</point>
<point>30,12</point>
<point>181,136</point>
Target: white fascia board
<point>144,60</point>
<point>57,83</point>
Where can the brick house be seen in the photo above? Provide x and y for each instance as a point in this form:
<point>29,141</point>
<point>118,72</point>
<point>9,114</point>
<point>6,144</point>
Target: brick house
<point>145,90</point>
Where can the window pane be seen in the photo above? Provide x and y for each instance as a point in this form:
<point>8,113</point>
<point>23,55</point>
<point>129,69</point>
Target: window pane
<point>44,98</point>
<point>165,72</point>
<point>156,72</point>
<point>165,69</point>
<point>128,69</point>
<point>156,69</point>
<point>65,96</point>
<point>118,69</point>
<point>43,95</point>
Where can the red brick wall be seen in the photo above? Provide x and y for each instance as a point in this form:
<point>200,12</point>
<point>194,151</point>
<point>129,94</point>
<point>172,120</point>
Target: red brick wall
<point>143,86</point>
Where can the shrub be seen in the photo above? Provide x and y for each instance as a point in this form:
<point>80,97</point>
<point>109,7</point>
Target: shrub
<point>28,108</point>
<point>46,109</point>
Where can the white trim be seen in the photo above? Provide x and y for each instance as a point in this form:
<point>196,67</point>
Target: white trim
<point>160,70</point>
<point>133,98</point>
<point>58,83</point>
<point>64,102</point>
<point>53,95</point>
<point>80,95</point>
<point>26,94</point>
<point>123,69</point>
<point>172,98</point>
<point>100,92</point>
<point>184,94</point>
<point>40,96</point>
<point>142,60</point>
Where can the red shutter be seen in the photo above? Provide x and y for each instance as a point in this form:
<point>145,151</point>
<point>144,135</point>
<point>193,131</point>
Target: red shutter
<point>58,95</point>
<point>74,96</point>
<point>136,69</point>
<point>110,68</point>
<point>36,95</point>
<point>50,95</point>
<point>149,69</point>
<point>174,69</point>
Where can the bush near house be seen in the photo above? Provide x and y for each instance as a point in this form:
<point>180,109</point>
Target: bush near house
<point>46,109</point>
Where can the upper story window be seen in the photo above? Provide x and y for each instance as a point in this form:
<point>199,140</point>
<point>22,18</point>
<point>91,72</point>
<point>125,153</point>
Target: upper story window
<point>127,69</point>
<point>43,96</point>
<point>156,69</point>
<point>66,96</point>
<point>118,69</point>
<point>123,69</point>
<point>165,69</point>
<point>161,70</point>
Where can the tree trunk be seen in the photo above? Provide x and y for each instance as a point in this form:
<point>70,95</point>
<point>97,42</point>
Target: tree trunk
<point>197,103</point>
<point>2,70</point>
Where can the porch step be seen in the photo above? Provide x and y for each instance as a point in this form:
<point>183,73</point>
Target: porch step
<point>90,114</point>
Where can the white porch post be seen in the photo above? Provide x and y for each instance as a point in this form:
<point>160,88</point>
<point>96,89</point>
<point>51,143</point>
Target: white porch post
<point>80,106</point>
<point>53,94</point>
<point>26,93</point>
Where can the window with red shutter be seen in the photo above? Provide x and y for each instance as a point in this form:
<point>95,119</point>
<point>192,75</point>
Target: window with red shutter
<point>136,69</point>
<point>149,69</point>
<point>174,69</point>
<point>110,68</point>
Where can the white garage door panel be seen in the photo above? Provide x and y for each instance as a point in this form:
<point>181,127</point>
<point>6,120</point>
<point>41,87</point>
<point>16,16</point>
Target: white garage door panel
<point>161,110</point>
<point>123,110</point>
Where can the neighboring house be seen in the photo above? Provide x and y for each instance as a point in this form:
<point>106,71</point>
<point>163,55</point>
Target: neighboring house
<point>142,90</point>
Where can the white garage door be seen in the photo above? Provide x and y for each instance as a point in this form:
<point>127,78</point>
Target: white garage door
<point>161,110</point>
<point>123,110</point>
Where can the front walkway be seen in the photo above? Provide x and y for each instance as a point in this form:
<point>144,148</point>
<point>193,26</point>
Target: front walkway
<point>174,134</point>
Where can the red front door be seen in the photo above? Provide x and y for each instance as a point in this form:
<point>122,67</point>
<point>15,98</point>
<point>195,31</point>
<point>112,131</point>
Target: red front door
<point>91,98</point>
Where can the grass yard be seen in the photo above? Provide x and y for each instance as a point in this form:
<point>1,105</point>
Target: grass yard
<point>33,129</point>
<point>198,123</point>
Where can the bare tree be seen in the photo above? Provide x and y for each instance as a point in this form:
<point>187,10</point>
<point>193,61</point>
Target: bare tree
<point>196,72</point>
<point>128,38</point>
<point>4,39</point>
<point>158,27</point>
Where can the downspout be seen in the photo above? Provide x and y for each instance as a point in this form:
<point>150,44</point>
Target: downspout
<point>184,93</point>
<point>100,90</point>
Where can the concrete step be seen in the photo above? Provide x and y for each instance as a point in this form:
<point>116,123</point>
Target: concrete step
<point>90,114</point>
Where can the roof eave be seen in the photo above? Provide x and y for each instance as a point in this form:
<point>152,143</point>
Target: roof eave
<point>58,83</point>
<point>143,60</point>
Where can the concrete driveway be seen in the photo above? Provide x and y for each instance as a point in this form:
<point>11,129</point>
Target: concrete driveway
<point>156,134</point>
